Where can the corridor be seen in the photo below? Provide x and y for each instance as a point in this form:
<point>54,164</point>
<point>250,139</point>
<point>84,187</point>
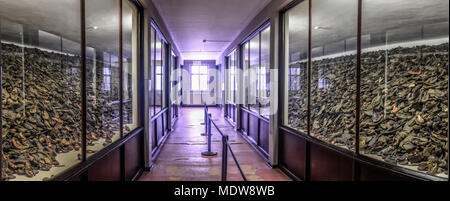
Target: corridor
<point>181,160</point>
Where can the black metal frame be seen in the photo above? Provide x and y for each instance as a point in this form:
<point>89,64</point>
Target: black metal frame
<point>357,158</point>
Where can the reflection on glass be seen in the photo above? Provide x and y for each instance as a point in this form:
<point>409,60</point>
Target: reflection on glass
<point>199,78</point>
<point>253,74</point>
<point>164,61</point>
<point>333,72</point>
<point>296,43</point>
<point>129,33</point>
<point>40,55</point>
<point>264,78</point>
<point>102,66</point>
<point>151,74</point>
<point>158,74</point>
<point>232,76</point>
<point>173,79</point>
<point>246,63</point>
<point>404,75</point>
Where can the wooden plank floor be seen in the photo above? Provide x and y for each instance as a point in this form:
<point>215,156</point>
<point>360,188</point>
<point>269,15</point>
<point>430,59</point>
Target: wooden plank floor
<point>181,160</point>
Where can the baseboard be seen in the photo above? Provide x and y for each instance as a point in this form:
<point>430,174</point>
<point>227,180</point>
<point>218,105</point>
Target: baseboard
<point>289,173</point>
<point>138,174</point>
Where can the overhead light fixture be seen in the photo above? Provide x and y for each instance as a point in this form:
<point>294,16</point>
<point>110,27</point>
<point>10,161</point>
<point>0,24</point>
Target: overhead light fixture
<point>216,41</point>
<point>93,27</point>
<point>317,27</point>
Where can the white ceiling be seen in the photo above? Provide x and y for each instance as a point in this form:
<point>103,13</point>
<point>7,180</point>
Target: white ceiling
<point>192,21</point>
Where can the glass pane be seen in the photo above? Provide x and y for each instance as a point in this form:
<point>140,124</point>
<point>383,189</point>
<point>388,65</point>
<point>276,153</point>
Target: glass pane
<point>102,49</point>
<point>195,83</point>
<point>129,26</point>
<point>253,74</point>
<point>233,76</point>
<point>173,79</point>
<point>265,73</point>
<point>40,55</point>
<point>229,79</point>
<point>333,72</point>
<point>296,43</point>
<point>158,82</point>
<point>404,76</point>
<point>151,74</point>
<point>203,69</point>
<point>163,74</point>
<point>195,69</point>
<point>203,82</point>
<point>158,64</point>
<point>245,51</point>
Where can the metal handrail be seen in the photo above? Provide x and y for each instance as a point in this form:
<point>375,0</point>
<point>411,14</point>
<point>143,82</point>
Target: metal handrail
<point>226,145</point>
<point>231,150</point>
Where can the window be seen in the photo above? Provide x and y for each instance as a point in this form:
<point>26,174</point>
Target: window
<point>231,76</point>
<point>159,59</point>
<point>296,48</point>
<point>106,79</point>
<point>254,75</point>
<point>265,73</point>
<point>158,78</point>
<point>199,78</point>
<point>256,66</point>
<point>130,66</point>
<point>294,79</point>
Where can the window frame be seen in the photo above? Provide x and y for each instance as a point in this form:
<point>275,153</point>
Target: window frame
<point>200,74</point>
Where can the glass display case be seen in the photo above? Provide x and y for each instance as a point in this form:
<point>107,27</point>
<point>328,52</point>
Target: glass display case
<point>41,106</point>
<point>103,78</point>
<point>333,71</point>
<point>404,83</point>
<point>40,89</point>
<point>130,68</point>
<point>403,72</point>
<point>296,71</point>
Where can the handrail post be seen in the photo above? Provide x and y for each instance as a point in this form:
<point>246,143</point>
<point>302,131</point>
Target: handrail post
<point>208,133</point>
<point>224,157</point>
<point>206,122</point>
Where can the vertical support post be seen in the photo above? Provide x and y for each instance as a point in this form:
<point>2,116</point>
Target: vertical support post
<point>206,121</point>
<point>83,80</point>
<point>224,157</point>
<point>356,169</point>
<point>208,133</point>
<point>1,101</point>
<point>121,74</point>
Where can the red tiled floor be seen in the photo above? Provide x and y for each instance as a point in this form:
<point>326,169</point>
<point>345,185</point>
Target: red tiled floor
<point>181,160</point>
